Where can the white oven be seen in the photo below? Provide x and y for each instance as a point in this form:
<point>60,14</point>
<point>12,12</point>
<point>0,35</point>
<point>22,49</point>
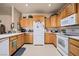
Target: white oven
<point>62,44</point>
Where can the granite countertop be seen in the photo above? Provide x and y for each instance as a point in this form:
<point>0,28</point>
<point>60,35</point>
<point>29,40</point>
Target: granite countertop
<point>8,35</point>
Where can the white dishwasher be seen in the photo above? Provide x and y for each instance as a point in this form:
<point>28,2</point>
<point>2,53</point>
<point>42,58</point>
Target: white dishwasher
<point>4,47</point>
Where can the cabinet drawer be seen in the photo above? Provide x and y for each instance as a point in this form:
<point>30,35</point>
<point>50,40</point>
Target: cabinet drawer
<point>13,37</point>
<point>74,50</point>
<point>74,42</point>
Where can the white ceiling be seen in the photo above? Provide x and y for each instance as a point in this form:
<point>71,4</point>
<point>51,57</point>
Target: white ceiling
<point>35,7</point>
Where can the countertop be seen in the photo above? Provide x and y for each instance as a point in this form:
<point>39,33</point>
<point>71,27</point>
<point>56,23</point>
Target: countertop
<point>74,37</point>
<point>8,35</point>
<point>12,34</point>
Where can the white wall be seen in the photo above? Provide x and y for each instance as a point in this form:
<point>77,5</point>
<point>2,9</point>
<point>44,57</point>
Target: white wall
<point>17,16</point>
<point>6,20</point>
<point>26,14</point>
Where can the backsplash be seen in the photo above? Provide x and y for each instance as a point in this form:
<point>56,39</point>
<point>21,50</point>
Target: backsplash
<point>73,30</point>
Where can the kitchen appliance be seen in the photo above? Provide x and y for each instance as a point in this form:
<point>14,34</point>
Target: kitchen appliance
<point>4,47</point>
<point>70,20</point>
<point>2,29</point>
<point>38,33</point>
<point>62,44</point>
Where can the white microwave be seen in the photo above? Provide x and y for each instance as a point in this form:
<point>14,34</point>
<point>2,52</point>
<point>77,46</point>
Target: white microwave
<point>70,20</point>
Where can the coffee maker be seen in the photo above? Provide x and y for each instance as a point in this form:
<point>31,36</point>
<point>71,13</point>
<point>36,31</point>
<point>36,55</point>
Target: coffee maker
<point>2,28</point>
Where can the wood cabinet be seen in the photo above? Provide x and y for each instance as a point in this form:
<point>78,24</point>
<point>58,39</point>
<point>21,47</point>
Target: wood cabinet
<point>54,21</point>
<point>50,38</point>
<point>53,39</point>
<point>47,38</point>
<point>73,47</point>
<point>20,40</point>
<point>28,38</point>
<point>48,23</point>
<point>58,21</point>
<point>15,42</point>
<point>71,9</point>
<point>66,11</point>
<point>26,23</point>
<point>78,13</point>
<point>12,44</point>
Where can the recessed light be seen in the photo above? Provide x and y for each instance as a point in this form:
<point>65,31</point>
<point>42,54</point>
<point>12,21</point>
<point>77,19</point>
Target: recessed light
<point>49,5</point>
<point>26,4</point>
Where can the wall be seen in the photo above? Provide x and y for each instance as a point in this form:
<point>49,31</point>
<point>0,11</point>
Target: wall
<point>6,17</point>
<point>73,30</point>
<point>6,20</point>
<point>17,16</point>
<point>26,14</point>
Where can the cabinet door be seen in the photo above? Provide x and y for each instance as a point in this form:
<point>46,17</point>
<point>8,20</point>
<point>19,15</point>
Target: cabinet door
<point>24,22</point>
<point>73,47</point>
<point>12,44</point>
<point>58,21</point>
<point>28,38</point>
<point>47,38</point>
<point>71,9</point>
<point>48,23</point>
<point>63,13</point>
<point>53,39</point>
<point>53,21</point>
<point>22,36</point>
<point>77,13</point>
<point>19,41</point>
<point>30,23</point>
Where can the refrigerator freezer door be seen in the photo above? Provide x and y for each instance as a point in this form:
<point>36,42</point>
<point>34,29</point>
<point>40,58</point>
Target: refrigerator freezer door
<point>38,34</point>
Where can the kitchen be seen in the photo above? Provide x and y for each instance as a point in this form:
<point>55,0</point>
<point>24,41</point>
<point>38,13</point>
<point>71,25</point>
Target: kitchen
<point>47,29</point>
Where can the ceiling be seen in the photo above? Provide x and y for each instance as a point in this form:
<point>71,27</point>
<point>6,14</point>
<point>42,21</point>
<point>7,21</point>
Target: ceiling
<point>35,7</point>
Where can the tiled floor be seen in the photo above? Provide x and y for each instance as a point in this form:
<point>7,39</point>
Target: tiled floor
<point>31,50</point>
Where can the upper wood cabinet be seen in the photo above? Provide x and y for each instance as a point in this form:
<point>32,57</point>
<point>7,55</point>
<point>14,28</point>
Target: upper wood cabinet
<point>26,22</point>
<point>58,21</point>
<point>71,9</point>
<point>48,23</point>
<point>78,13</point>
<point>68,10</point>
<point>40,18</point>
<point>54,21</point>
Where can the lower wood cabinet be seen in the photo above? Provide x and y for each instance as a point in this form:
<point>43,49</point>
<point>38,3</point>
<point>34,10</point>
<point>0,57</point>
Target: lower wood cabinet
<point>15,42</point>
<point>12,44</point>
<point>47,38</point>
<point>53,39</point>
<point>50,38</point>
<point>28,38</point>
<point>73,47</point>
<point>20,40</point>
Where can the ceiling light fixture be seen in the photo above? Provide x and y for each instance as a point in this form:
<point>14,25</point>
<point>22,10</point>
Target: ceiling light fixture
<point>26,4</point>
<point>49,5</point>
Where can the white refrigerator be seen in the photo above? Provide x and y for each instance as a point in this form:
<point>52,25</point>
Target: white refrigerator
<point>38,33</point>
